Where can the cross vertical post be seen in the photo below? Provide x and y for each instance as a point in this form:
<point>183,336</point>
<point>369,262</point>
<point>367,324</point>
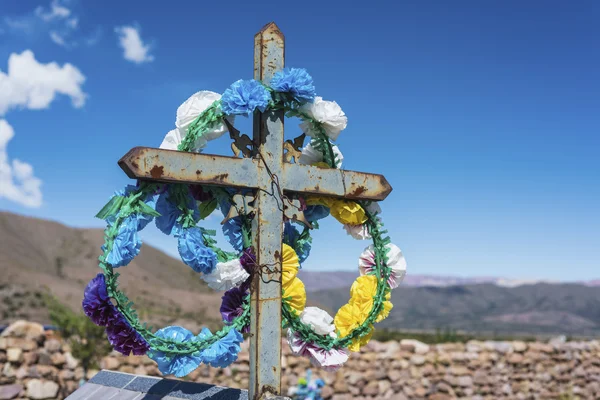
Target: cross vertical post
<point>267,226</point>
<point>267,174</point>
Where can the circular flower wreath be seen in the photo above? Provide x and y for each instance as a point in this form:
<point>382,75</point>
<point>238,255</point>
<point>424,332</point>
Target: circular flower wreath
<point>177,210</point>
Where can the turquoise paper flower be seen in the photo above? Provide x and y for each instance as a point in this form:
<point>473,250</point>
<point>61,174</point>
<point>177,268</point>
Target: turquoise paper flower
<point>296,83</point>
<point>223,352</point>
<point>232,229</point>
<point>126,245</point>
<point>143,219</point>
<point>167,223</point>
<point>316,212</point>
<point>244,97</point>
<point>178,365</point>
<point>291,237</point>
<point>194,253</point>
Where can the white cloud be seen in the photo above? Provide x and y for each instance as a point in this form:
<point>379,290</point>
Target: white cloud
<point>20,24</point>
<point>73,22</point>
<point>57,38</point>
<point>57,21</point>
<point>56,11</point>
<point>17,181</point>
<point>134,48</point>
<point>30,84</point>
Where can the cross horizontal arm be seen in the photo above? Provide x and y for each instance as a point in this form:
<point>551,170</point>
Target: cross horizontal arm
<point>181,167</point>
<point>335,182</point>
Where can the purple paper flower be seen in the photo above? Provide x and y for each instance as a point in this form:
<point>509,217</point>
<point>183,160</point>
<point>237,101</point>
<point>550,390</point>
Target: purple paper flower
<point>96,303</point>
<point>232,305</point>
<point>125,339</point>
<point>248,260</point>
<point>199,194</point>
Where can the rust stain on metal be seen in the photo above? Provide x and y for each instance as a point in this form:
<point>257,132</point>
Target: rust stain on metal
<point>358,191</point>
<point>198,172</point>
<point>157,171</point>
<point>267,391</point>
<point>221,177</point>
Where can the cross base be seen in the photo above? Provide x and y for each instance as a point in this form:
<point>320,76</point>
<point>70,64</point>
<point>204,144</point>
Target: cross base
<point>121,386</point>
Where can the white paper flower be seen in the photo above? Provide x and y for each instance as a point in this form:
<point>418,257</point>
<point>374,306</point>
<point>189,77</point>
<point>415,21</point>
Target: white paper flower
<point>374,208</point>
<point>226,275</point>
<point>396,261</point>
<point>311,156</point>
<point>329,113</point>
<point>174,138</point>
<point>328,360</point>
<point>171,141</point>
<point>361,232</point>
<point>358,232</point>
<point>194,106</point>
<point>319,320</point>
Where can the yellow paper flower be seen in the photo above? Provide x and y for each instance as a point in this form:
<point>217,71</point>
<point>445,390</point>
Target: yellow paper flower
<point>362,293</point>
<point>385,312</point>
<point>347,212</point>
<point>289,265</point>
<point>321,164</point>
<point>295,295</point>
<point>364,288</point>
<point>318,201</point>
<point>348,318</point>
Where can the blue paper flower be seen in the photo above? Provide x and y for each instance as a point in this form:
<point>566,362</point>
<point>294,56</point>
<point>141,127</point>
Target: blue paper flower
<point>194,253</point>
<point>224,205</point>
<point>127,243</point>
<point>232,229</point>
<point>175,364</point>
<point>224,351</point>
<point>296,82</point>
<point>291,236</point>
<point>143,219</point>
<point>243,97</point>
<point>315,213</point>
<point>169,213</point>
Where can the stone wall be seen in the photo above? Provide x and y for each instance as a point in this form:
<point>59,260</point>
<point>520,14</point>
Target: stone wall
<point>35,365</point>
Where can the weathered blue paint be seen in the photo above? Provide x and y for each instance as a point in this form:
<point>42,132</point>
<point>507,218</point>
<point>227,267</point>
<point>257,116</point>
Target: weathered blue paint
<point>266,172</point>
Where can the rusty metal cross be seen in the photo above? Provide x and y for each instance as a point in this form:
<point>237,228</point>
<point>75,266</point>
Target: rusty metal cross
<point>257,173</point>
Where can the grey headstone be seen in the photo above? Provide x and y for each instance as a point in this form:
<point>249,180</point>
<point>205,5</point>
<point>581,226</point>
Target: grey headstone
<point>107,385</point>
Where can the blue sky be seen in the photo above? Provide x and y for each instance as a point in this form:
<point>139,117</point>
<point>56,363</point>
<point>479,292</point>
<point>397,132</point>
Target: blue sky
<point>484,116</point>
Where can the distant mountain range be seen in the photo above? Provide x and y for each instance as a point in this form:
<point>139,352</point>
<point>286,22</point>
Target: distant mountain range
<point>538,309</point>
<point>38,255</point>
<point>316,280</point>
